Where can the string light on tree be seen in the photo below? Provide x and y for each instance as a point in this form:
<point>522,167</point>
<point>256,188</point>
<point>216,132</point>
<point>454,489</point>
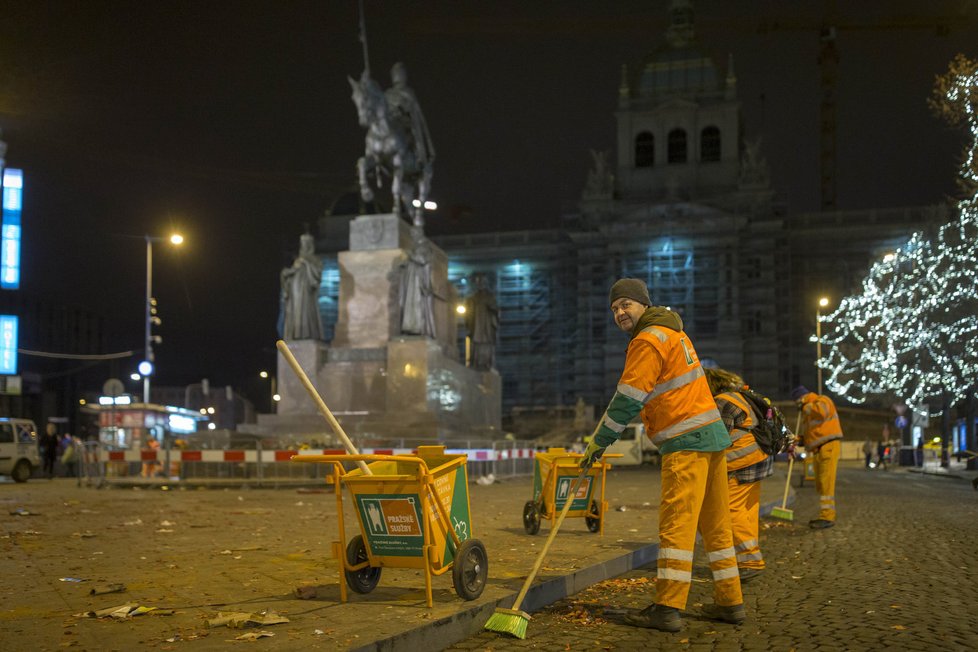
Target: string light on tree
<point>913,332</point>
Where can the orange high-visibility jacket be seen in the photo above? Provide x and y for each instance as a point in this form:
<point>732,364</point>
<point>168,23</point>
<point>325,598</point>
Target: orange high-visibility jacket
<point>664,380</point>
<point>744,450</point>
<point>819,420</point>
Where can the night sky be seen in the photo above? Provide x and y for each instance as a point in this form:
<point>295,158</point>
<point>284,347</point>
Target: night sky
<point>231,121</point>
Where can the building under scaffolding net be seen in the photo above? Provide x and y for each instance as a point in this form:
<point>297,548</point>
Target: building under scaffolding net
<point>686,205</point>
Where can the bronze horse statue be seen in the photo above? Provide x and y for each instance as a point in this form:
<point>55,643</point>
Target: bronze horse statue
<point>391,150</point>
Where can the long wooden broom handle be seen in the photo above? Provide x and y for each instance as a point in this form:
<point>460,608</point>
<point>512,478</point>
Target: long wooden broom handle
<point>553,533</point>
<point>787,482</point>
<point>791,462</point>
<point>321,404</point>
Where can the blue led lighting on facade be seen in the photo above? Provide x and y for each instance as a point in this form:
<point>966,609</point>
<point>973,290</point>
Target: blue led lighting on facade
<point>329,297</point>
<point>8,344</point>
<point>13,186</point>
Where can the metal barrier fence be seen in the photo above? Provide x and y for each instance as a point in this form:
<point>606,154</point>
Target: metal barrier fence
<point>487,460</point>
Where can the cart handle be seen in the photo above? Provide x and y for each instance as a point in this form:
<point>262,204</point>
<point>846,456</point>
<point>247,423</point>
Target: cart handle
<point>410,459</point>
<point>577,456</point>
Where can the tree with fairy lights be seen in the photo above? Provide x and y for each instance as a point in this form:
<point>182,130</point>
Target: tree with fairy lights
<point>913,332</point>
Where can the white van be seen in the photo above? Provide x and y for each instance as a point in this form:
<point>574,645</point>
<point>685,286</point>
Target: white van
<point>634,446</point>
<point>19,455</point>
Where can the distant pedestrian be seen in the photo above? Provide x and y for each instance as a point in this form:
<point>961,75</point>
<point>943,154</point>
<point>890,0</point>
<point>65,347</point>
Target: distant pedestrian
<point>69,455</point>
<point>821,433</point>
<point>49,449</point>
<point>868,452</point>
<point>920,451</point>
<point>151,467</point>
<point>881,452</point>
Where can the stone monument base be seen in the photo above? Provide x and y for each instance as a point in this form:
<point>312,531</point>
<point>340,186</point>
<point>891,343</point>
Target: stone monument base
<point>380,384</point>
<point>408,389</point>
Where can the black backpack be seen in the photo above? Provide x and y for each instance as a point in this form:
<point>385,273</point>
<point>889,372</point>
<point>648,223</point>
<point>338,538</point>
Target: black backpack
<point>772,434</point>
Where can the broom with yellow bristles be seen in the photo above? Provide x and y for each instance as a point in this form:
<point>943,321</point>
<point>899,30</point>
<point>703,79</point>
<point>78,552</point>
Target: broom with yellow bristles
<point>783,512</point>
<point>513,621</point>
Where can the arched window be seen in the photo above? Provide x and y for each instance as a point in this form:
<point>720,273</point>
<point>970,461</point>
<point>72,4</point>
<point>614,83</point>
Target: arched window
<point>677,146</point>
<point>644,150</point>
<point>710,144</point>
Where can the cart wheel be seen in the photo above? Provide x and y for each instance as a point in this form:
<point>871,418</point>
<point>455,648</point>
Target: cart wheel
<point>593,522</point>
<point>364,580</point>
<point>531,517</point>
<point>470,569</point>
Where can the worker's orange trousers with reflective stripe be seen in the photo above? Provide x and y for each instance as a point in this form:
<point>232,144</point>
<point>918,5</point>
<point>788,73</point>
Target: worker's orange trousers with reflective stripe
<point>745,504</point>
<point>826,465</point>
<point>694,493</point>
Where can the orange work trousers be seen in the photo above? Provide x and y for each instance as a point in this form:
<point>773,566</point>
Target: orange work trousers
<point>694,496</point>
<point>826,465</point>
<point>745,504</point>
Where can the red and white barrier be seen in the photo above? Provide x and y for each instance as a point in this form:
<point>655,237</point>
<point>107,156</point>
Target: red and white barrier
<point>254,456</point>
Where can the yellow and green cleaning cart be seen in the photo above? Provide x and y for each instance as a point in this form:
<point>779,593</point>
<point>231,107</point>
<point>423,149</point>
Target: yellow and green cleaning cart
<point>414,513</point>
<point>553,474</point>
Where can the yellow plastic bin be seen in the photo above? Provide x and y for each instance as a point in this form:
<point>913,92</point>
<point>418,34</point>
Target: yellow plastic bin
<point>413,512</point>
<point>553,474</point>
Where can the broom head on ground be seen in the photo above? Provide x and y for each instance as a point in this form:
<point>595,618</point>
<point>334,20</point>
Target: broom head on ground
<point>509,621</point>
<point>783,513</point>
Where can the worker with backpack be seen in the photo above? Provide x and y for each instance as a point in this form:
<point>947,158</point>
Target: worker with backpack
<point>757,431</point>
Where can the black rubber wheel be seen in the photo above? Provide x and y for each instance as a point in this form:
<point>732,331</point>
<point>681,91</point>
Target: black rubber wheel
<point>364,580</point>
<point>470,569</point>
<point>531,517</point>
<point>593,522</point>
<point>22,471</point>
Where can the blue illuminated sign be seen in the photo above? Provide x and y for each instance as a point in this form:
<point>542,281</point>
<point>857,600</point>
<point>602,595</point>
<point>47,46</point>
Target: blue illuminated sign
<point>8,344</point>
<point>13,188</point>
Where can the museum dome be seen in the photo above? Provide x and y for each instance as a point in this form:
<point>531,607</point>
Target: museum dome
<point>679,68</point>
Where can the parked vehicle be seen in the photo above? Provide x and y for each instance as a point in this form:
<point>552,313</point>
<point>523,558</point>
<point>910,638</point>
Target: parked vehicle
<point>634,447</point>
<point>19,455</point>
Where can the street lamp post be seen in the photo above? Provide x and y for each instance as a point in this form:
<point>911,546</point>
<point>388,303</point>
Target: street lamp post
<point>822,302</point>
<point>148,356</point>
<point>273,394</point>
<point>147,366</point>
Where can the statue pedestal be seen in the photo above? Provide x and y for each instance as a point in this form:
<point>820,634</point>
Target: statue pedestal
<point>380,384</point>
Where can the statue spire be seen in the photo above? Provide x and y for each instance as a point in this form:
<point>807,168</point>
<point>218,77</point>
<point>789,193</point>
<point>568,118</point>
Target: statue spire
<point>681,29</point>
<point>363,41</point>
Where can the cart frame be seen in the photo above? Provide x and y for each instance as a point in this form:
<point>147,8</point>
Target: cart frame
<point>546,506</point>
<point>424,482</point>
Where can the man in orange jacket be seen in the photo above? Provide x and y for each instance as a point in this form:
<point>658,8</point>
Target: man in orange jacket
<point>821,434</point>
<point>663,380</point>
<point>747,465</point>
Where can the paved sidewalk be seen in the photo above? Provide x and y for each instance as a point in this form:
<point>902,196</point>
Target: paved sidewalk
<point>956,470</point>
<point>200,552</point>
<point>896,573</point>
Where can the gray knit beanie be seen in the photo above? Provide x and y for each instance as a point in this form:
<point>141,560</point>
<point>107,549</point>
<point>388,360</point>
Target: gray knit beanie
<point>630,288</point>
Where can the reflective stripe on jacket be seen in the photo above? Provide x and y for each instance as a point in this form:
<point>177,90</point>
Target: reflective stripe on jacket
<point>744,450</point>
<point>664,381</point>
<point>819,420</point>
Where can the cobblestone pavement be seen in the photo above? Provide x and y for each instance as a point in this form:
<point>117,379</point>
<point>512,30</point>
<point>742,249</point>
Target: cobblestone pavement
<point>898,572</point>
<point>193,552</point>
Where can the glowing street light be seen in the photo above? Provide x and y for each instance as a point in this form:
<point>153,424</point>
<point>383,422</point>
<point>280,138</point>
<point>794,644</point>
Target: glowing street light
<point>146,367</point>
<point>822,302</point>
<point>272,389</point>
<point>428,205</point>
